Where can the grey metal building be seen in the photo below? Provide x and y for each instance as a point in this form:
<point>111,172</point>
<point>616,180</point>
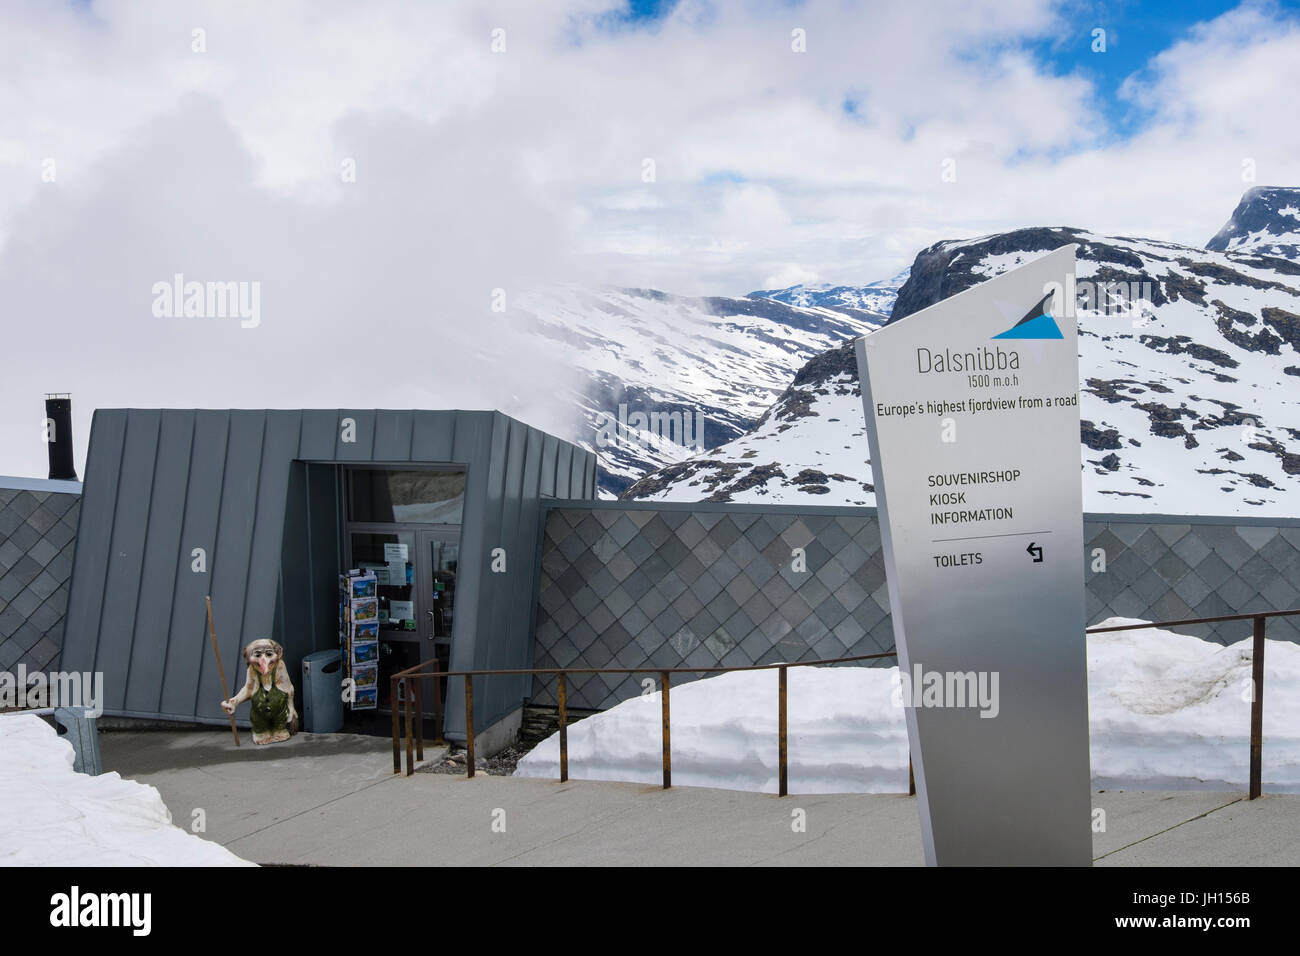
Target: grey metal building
<point>263,509</point>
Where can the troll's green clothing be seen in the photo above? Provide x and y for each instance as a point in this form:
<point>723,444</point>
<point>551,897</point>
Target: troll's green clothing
<point>269,712</point>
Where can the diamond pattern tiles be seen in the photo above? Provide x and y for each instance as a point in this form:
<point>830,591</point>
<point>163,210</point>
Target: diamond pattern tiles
<point>37,536</point>
<point>663,589</point>
<point>1169,572</point>
<point>644,588</point>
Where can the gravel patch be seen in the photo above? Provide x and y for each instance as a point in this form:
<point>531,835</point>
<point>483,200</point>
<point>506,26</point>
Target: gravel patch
<point>501,764</point>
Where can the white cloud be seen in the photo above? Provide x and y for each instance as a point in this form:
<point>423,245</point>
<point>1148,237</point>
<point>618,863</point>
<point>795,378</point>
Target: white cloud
<point>478,170</point>
<point>791,274</point>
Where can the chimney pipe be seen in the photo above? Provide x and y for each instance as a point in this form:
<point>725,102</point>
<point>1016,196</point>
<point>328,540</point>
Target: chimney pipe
<point>58,435</point>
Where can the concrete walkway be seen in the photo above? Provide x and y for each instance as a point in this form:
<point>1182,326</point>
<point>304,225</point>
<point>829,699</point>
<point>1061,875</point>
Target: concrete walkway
<point>333,800</point>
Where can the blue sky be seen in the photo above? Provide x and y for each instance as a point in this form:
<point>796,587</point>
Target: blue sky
<point>1135,32</point>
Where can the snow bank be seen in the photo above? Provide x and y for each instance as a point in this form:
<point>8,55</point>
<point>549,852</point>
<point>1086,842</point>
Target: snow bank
<point>51,815</point>
<point>1170,712</point>
<point>1166,712</point>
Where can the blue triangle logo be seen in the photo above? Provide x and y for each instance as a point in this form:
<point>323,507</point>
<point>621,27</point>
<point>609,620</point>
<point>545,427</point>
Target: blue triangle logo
<point>1036,324</point>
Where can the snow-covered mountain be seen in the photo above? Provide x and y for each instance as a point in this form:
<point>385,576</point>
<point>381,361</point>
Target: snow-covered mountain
<point>810,447</point>
<point>709,367</point>
<point>1190,398</point>
<point>872,297</point>
<point>1265,222</point>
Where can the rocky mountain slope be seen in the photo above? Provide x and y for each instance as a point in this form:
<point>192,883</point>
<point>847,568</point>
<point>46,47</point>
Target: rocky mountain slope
<point>711,366</point>
<point>1265,222</point>
<point>1190,380</point>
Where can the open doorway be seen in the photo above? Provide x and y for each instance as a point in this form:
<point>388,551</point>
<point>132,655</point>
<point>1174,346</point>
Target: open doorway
<point>404,526</point>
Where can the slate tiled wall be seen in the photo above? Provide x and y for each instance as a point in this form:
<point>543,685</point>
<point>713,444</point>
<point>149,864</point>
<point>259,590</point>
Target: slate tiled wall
<point>631,585</point>
<point>37,537</point>
<point>1173,570</point>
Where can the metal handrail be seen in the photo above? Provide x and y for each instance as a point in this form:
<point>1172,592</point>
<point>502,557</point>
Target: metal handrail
<point>1250,616</point>
<point>413,702</point>
<point>1256,678</point>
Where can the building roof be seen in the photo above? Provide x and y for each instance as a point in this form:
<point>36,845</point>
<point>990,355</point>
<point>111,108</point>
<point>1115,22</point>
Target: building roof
<point>40,484</point>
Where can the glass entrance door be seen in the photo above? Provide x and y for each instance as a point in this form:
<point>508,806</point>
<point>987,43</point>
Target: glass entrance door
<point>441,553</point>
<point>404,525</point>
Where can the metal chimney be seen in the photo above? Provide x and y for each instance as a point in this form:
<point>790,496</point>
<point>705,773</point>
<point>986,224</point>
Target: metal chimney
<point>58,435</point>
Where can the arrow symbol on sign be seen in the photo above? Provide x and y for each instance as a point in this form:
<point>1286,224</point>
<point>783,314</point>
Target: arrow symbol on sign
<point>1036,551</point>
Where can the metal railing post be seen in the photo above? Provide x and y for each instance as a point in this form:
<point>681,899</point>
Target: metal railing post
<point>469,725</point>
<point>668,749</point>
<point>437,700</point>
<point>1257,711</point>
<point>410,737</point>
<point>782,775</point>
<point>564,732</point>
<point>419,718</point>
<point>392,704</point>
<point>414,699</point>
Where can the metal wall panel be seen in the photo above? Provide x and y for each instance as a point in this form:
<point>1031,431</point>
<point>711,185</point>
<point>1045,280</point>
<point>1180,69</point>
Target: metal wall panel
<point>470,440</point>
<point>230,559</point>
<point>528,527</point>
<point>363,448</point>
<point>550,446</point>
<point>205,454</point>
<point>124,578</point>
<point>482,445</point>
<point>433,437</point>
<point>563,470</point>
<point>157,587</point>
<point>509,640</point>
<point>282,431</point>
<point>297,623</point>
<point>393,436</point>
<point>309,560</point>
<point>258,492</point>
<point>98,509</point>
<point>320,432</point>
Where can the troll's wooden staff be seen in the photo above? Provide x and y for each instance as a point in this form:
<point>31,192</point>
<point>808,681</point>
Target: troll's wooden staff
<point>212,632</point>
